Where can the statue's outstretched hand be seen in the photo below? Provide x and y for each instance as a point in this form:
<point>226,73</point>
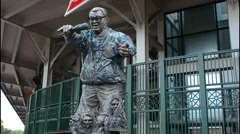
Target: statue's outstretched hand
<point>66,30</point>
<point>123,50</point>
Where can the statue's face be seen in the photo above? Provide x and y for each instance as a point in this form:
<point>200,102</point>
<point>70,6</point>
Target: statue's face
<point>87,121</point>
<point>114,104</point>
<point>98,21</point>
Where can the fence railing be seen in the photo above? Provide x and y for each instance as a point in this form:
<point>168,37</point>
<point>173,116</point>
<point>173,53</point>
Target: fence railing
<point>196,94</point>
<point>50,108</point>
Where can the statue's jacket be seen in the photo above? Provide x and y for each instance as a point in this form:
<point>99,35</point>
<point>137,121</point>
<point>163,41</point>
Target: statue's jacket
<point>102,61</point>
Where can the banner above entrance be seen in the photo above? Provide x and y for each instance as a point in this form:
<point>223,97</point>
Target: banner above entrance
<point>74,5</point>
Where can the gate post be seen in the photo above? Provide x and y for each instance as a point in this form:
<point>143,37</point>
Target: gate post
<point>203,95</point>
<point>163,119</point>
<point>60,107</point>
<point>129,99</point>
<point>79,91</point>
<point>35,108</point>
<point>28,114</point>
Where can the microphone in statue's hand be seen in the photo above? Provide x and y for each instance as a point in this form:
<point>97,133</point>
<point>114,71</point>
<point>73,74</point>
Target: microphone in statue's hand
<point>80,27</point>
<point>69,29</point>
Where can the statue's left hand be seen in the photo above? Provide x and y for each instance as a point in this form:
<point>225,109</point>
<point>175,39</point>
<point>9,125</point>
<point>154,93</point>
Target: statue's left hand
<point>123,50</point>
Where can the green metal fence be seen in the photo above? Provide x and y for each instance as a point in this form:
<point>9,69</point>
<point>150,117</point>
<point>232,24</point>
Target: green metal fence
<point>196,94</point>
<point>50,108</point>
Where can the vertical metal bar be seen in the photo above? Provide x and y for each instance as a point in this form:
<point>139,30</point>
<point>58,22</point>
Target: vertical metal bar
<point>224,119</point>
<point>34,122</point>
<point>28,113</point>
<point>217,26</point>
<point>203,98</point>
<point>60,107</point>
<point>235,66</point>
<point>162,96</point>
<point>46,119</point>
<point>181,37</point>
<point>147,114</point>
<point>79,91</point>
<point>129,99</point>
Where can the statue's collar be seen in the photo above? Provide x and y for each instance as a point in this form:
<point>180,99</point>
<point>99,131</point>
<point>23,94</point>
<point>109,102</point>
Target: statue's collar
<point>104,32</point>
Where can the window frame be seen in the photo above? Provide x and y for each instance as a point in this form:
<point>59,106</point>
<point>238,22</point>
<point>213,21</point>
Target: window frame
<point>181,36</point>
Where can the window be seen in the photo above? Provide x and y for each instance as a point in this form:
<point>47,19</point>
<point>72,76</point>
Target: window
<point>199,43</point>
<point>222,14</point>
<point>173,24</point>
<point>198,19</point>
<point>197,30</point>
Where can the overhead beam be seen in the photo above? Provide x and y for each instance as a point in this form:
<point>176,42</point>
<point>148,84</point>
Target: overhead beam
<point>46,64</point>
<point>24,77</point>
<point>57,54</point>
<point>21,116</point>
<point>35,45</point>
<point>4,87</point>
<point>9,95</point>
<point>10,23</point>
<point>135,10</point>
<point>18,7</point>
<point>18,26</point>
<point>153,18</point>
<point>64,56</point>
<point>23,65</point>
<point>158,46</point>
<point>56,46</point>
<point>119,13</point>
<point>21,112</point>
<point>18,105</point>
<point>6,82</point>
<point>2,31</point>
<point>65,73</point>
<point>18,82</point>
<point>16,45</point>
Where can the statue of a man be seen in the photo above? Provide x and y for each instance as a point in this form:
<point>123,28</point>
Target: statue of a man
<point>102,72</point>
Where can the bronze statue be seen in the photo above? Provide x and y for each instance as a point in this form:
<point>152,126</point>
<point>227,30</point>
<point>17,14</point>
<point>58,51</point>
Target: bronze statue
<point>102,72</point>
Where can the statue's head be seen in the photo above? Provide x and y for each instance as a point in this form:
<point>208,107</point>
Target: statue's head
<point>98,19</point>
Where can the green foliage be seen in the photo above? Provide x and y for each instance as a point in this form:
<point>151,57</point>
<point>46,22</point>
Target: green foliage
<point>2,127</point>
<point>13,132</point>
<point>7,131</point>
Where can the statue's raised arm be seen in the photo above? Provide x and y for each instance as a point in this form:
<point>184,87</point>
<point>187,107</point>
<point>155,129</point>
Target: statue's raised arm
<point>74,35</point>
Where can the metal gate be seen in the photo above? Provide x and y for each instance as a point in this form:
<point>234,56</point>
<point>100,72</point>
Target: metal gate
<point>197,94</point>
